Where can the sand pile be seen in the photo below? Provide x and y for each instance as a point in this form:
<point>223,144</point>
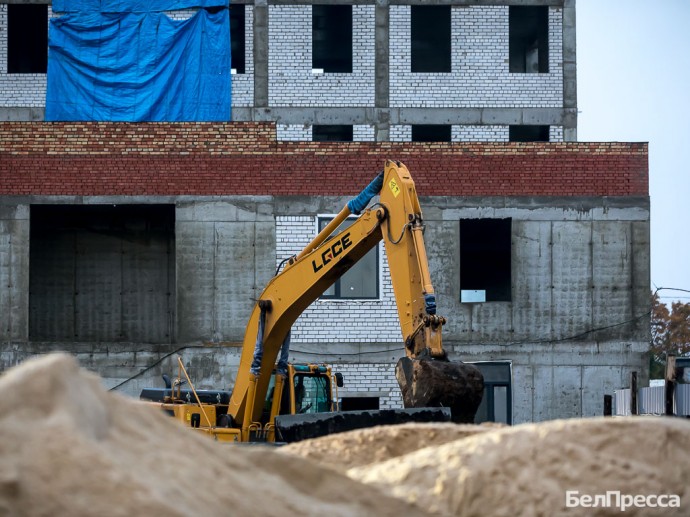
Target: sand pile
<point>69,447</point>
<point>523,470</point>
<point>366,446</point>
<point>527,470</point>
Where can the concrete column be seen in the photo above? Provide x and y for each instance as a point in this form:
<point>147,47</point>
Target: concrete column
<point>569,70</point>
<point>14,278</point>
<point>260,53</point>
<point>381,72</point>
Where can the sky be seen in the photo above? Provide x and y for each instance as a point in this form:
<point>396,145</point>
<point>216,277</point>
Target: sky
<point>633,78</point>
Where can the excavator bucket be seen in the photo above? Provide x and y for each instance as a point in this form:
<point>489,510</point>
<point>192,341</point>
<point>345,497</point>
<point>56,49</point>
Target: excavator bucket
<point>431,382</point>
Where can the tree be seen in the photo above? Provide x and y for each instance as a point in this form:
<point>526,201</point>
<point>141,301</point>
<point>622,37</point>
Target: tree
<point>670,333</point>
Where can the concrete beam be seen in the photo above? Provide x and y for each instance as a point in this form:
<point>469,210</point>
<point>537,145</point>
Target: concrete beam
<point>373,116</point>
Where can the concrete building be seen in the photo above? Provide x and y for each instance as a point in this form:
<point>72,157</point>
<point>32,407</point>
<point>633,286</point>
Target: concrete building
<point>470,69</point>
<point>129,243</point>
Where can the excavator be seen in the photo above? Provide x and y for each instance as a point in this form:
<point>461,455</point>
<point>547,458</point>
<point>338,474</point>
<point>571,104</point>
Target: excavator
<point>267,386</point>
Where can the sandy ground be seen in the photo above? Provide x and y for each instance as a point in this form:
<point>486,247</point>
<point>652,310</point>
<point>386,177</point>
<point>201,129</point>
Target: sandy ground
<point>69,447</point>
<point>367,446</point>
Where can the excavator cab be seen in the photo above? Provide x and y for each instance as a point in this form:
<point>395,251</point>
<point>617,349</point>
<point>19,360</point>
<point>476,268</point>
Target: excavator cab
<point>309,389</point>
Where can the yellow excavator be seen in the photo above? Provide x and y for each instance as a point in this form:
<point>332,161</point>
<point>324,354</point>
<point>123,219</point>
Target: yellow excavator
<point>267,386</point>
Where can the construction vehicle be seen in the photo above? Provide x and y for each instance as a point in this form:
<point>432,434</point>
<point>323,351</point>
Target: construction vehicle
<point>425,375</point>
<point>306,389</point>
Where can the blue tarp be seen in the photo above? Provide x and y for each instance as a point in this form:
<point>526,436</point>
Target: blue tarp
<point>139,66</point>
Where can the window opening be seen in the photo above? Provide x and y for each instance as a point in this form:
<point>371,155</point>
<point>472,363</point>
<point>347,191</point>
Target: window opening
<point>361,281</point>
<point>431,133</point>
<point>331,133</point>
<point>27,38</point>
<point>237,35</point>
<point>430,38</point>
<point>528,133</point>
<point>485,259</point>
<point>528,39</point>
<point>332,38</point>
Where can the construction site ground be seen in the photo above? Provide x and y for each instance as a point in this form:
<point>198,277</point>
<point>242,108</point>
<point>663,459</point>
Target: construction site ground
<point>69,447</point>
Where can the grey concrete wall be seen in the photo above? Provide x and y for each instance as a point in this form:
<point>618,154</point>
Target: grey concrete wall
<point>576,326</point>
<point>14,278</point>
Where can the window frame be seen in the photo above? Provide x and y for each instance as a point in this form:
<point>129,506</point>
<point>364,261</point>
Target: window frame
<point>337,296</point>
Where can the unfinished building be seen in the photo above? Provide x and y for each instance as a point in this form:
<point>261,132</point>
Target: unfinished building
<point>129,243</point>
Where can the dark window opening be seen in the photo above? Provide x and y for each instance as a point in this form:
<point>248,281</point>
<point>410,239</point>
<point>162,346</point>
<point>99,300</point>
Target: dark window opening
<point>496,405</point>
<point>430,39</point>
<point>431,133</point>
<point>361,281</point>
<point>485,258</point>
<point>102,273</point>
<point>237,20</point>
<point>332,38</point>
<point>332,133</point>
<point>27,39</point>
<point>359,403</point>
<point>528,133</point>
<point>529,39</point>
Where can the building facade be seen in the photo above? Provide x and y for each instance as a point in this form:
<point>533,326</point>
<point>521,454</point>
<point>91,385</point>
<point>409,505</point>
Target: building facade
<point>128,244</point>
<point>472,70</point>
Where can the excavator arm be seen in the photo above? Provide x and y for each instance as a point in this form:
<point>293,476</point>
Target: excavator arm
<point>397,220</point>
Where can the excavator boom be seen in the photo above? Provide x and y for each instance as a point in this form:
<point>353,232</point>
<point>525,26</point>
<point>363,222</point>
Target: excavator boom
<point>425,376</point>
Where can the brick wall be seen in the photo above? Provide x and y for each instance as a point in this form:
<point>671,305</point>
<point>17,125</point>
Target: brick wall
<point>479,64</point>
<point>371,377</point>
<point>245,158</point>
<point>347,320</point>
<point>292,82</point>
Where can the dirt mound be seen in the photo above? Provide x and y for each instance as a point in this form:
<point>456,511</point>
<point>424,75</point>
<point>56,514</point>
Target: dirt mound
<point>527,470</point>
<point>69,447</point>
<point>376,444</point>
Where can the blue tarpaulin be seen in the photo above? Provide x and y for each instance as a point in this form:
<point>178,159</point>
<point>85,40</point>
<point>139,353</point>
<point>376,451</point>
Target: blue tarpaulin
<point>138,66</point>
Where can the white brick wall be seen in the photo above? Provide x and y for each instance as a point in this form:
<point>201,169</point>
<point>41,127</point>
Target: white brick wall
<point>338,321</point>
<point>479,78</point>
<point>371,377</point>
<point>479,57</point>
<point>293,132</point>
<point>291,81</point>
